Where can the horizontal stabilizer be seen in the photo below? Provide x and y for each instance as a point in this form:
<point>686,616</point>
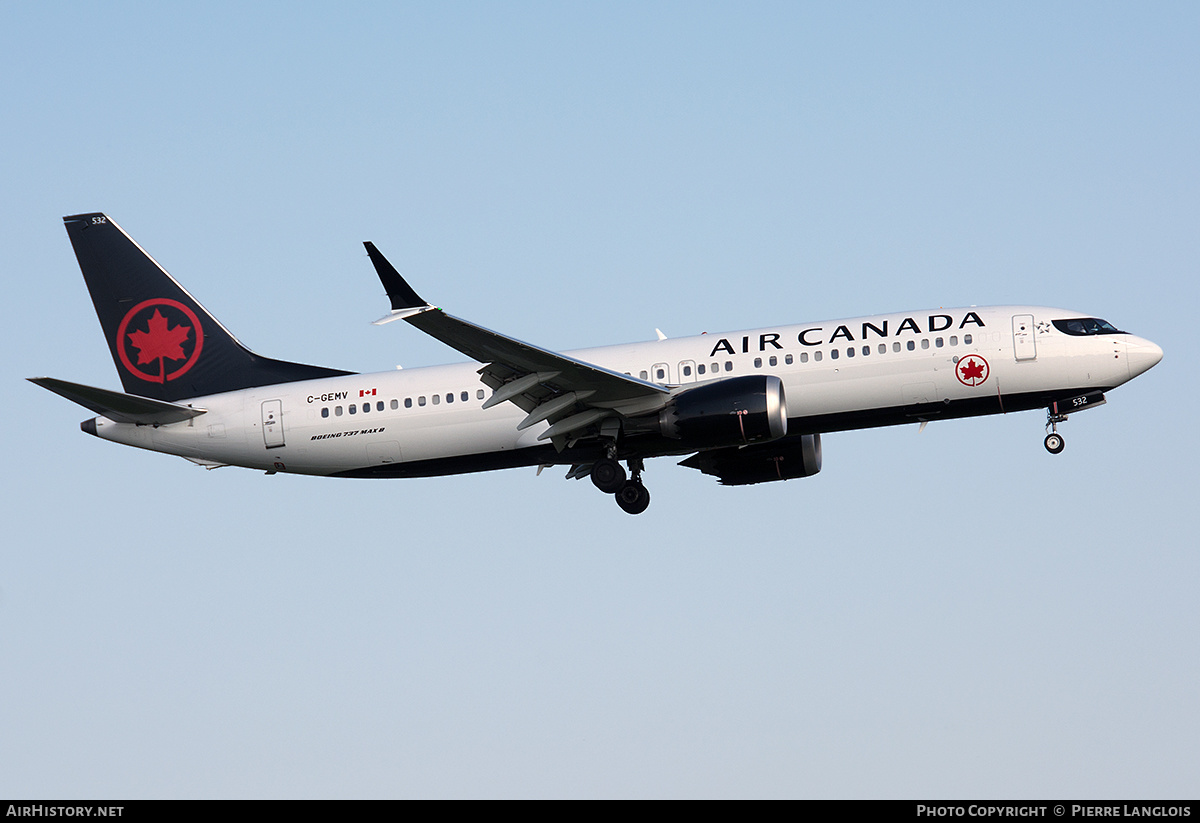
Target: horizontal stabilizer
<point>123,408</point>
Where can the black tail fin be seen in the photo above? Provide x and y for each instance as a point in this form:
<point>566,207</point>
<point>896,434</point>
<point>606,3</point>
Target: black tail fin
<point>165,345</point>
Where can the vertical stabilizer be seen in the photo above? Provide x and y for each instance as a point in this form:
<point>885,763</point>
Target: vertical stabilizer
<point>164,343</point>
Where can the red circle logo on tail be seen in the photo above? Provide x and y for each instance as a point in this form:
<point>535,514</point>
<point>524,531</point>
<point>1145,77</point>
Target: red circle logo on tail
<point>155,335</point>
<point>972,370</point>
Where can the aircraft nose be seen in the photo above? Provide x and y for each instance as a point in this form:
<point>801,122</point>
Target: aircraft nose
<point>1143,355</point>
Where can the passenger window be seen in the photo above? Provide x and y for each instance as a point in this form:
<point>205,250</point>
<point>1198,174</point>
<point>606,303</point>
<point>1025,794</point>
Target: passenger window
<point>834,354</point>
<point>643,374</point>
<point>395,405</point>
<point>967,339</point>
<point>700,369</point>
<point>660,374</point>
<point>337,411</point>
<point>437,398</point>
<point>353,408</point>
<point>479,394</point>
<point>924,342</point>
<point>408,402</point>
<point>954,340</point>
<point>912,346</point>
<point>803,357</point>
<point>774,361</point>
<point>883,348</point>
<point>325,412</point>
<point>787,358</point>
<point>379,405</point>
<point>421,400</point>
<point>938,342</point>
<point>716,368</point>
<point>465,396</point>
<point>896,346</point>
<point>728,365</point>
<point>850,351</point>
<point>450,397</point>
<point>366,408</point>
<point>758,362</point>
<point>817,356</point>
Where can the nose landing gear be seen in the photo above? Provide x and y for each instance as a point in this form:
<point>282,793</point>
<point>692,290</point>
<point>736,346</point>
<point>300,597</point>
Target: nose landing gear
<point>1054,441</point>
<point>1056,413</point>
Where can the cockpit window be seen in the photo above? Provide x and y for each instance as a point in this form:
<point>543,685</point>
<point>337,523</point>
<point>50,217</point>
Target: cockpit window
<point>1083,326</point>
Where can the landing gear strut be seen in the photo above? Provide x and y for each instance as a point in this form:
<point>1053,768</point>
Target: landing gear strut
<point>633,497</point>
<point>609,477</point>
<point>1054,441</point>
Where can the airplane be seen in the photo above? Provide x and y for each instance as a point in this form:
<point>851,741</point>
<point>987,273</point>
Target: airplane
<point>745,407</point>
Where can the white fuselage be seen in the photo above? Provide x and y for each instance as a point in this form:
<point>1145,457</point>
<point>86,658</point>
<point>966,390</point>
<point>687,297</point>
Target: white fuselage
<point>837,374</point>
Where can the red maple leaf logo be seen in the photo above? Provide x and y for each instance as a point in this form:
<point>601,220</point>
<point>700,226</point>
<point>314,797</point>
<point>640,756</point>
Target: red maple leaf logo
<point>160,342</point>
<point>972,370</point>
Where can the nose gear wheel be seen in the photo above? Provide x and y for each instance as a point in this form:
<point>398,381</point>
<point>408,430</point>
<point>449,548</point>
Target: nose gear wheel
<point>1054,441</point>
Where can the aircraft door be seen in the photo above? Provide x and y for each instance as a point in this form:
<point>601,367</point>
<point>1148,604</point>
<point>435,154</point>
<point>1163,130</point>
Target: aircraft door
<point>272,423</point>
<point>1024,346</point>
<point>687,371</point>
<point>381,454</point>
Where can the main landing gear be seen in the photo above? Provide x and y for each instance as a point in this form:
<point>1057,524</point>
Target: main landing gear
<point>610,478</point>
<point>1054,441</point>
<point>608,475</point>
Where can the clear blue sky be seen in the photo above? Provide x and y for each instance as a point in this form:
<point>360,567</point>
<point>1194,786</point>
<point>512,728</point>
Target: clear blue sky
<point>950,614</point>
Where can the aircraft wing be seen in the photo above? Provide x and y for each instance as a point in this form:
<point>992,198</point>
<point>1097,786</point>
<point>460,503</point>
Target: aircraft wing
<point>572,395</point>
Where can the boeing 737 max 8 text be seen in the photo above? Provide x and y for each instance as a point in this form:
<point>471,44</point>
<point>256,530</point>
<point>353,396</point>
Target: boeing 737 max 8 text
<point>745,407</point>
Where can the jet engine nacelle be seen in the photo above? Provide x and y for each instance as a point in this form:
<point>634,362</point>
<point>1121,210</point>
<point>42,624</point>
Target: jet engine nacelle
<point>799,457</point>
<point>732,412</point>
